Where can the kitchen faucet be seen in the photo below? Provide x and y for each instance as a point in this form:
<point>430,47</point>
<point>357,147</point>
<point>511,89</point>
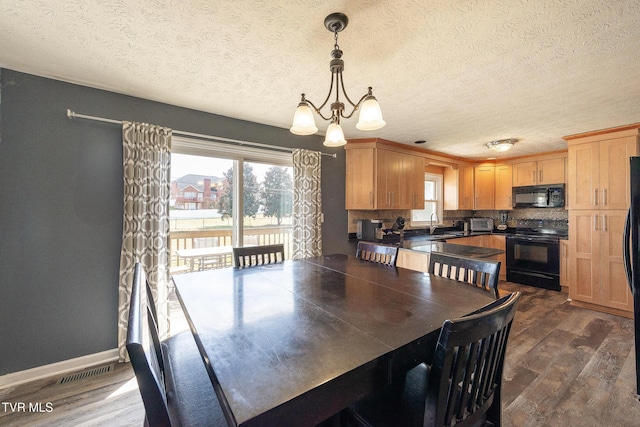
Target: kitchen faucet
<point>432,227</point>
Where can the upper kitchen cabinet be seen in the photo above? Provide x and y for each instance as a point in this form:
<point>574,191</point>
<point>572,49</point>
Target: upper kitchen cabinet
<point>503,180</point>
<point>381,176</point>
<point>481,187</point>
<point>598,169</point>
<point>484,188</point>
<point>541,172</point>
<point>458,188</point>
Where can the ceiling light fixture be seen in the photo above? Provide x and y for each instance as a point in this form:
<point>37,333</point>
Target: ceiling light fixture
<point>501,144</point>
<point>370,113</point>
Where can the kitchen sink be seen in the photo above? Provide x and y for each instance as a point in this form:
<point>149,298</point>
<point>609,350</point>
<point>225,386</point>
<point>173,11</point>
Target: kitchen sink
<point>455,233</point>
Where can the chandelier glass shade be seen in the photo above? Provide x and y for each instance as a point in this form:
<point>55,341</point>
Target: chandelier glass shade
<point>370,113</point>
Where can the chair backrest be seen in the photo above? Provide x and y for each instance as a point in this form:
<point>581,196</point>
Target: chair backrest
<point>478,272</point>
<point>383,254</point>
<point>150,302</point>
<point>466,373</point>
<point>252,256</point>
<point>143,346</point>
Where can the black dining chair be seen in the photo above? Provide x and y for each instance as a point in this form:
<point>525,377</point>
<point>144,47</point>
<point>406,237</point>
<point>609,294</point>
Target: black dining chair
<point>479,272</point>
<point>461,387</point>
<point>374,252</point>
<point>176,391</point>
<point>252,256</point>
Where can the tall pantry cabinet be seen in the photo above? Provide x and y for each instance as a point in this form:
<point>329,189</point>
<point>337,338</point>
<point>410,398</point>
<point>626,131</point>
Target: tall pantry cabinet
<point>598,199</point>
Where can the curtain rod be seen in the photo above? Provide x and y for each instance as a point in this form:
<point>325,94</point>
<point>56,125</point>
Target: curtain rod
<point>73,115</point>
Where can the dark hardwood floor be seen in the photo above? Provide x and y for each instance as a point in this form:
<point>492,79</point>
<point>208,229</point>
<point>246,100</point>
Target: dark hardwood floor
<point>565,366</point>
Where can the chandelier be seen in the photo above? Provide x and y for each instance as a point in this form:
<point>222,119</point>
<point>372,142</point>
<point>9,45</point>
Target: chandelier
<point>370,114</point>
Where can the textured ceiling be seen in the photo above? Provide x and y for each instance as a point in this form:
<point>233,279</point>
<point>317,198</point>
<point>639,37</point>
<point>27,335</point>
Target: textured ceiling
<point>454,73</point>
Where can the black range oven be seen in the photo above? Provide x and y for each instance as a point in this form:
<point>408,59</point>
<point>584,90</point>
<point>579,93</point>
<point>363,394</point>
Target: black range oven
<point>534,259</point>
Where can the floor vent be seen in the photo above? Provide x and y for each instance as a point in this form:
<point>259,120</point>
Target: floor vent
<point>86,374</point>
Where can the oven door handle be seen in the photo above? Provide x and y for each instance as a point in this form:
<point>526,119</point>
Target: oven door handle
<point>534,239</point>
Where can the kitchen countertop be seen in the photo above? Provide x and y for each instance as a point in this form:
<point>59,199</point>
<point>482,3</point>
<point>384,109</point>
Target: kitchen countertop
<point>450,248</point>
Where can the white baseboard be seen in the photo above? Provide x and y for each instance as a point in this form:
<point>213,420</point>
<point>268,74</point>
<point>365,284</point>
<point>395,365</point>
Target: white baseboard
<point>58,368</point>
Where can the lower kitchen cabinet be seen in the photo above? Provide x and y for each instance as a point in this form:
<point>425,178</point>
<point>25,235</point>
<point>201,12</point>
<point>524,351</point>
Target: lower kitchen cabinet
<point>419,261</point>
<point>413,260</point>
<point>596,267</point>
<point>480,241</point>
<point>564,264</point>
<point>497,241</point>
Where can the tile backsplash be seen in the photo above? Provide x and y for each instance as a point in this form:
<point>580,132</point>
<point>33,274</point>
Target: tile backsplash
<point>558,217</point>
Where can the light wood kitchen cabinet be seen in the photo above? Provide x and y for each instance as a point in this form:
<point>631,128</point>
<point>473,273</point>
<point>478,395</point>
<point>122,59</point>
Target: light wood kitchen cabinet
<point>414,170</point>
<point>480,241</point>
<point>378,178</point>
<point>388,174</point>
<point>598,199</point>
<point>413,260</point>
<point>484,187</point>
<point>540,172</point>
<point>458,188</point>
<point>599,173</point>
<point>564,264</point>
<point>503,187</point>
<point>596,266</point>
<point>360,179</point>
<point>498,241</point>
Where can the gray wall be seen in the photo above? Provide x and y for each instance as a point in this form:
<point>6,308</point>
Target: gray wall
<point>61,210</point>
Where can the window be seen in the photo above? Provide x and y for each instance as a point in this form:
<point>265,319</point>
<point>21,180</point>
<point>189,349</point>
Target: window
<point>224,195</point>
<point>432,202</point>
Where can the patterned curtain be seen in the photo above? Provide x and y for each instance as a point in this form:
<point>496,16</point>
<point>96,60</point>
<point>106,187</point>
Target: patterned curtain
<point>145,235</point>
<point>307,204</point>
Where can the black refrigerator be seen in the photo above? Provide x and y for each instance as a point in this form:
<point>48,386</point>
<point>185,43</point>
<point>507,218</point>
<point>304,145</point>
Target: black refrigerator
<point>631,249</point>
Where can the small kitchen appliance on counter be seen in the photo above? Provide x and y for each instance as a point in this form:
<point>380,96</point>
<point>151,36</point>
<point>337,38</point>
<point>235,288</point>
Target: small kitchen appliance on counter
<point>481,224</point>
<point>370,229</point>
<point>504,217</point>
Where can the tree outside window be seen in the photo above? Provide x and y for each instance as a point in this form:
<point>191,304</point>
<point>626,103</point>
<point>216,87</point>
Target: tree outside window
<point>277,193</point>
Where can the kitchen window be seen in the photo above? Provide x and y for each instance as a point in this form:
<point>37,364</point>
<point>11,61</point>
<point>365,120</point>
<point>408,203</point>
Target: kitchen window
<point>432,202</point>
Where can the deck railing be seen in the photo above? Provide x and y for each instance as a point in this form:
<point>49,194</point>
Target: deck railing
<point>222,237</point>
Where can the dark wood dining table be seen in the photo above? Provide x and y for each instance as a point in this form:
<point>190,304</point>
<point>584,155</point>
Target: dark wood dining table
<point>296,342</point>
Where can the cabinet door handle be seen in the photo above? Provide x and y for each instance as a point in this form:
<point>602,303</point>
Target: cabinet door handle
<point>595,222</point>
<point>604,222</point>
<point>540,176</point>
<point>604,197</point>
<point>595,197</point>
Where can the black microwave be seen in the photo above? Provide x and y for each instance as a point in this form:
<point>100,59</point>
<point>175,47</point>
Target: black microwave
<point>539,196</point>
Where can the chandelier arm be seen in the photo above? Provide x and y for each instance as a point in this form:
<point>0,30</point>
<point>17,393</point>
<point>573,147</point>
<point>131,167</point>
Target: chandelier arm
<point>317,110</point>
<point>355,106</point>
<point>341,81</point>
<point>328,96</point>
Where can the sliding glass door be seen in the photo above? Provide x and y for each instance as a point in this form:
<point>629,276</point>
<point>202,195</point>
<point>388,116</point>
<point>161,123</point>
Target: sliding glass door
<point>219,202</point>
